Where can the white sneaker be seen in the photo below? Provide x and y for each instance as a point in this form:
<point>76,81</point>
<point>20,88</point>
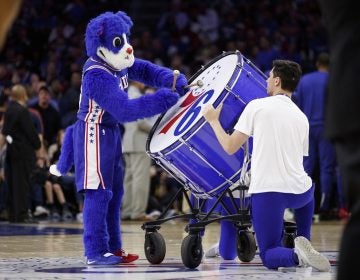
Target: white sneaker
<point>213,251</point>
<point>289,215</point>
<point>170,213</point>
<point>308,256</point>
<point>79,217</point>
<point>155,214</point>
<point>41,211</point>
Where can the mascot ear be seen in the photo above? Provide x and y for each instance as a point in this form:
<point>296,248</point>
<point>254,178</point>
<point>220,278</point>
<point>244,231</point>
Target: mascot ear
<point>94,31</point>
<point>125,18</point>
<point>100,30</point>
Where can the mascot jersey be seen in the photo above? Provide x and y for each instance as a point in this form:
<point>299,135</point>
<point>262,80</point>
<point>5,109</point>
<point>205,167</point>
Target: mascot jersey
<point>99,136</point>
<point>89,111</point>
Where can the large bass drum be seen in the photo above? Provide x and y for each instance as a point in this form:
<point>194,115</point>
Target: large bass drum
<point>184,144</point>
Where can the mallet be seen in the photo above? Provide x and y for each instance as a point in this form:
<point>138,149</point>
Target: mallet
<point>198,83</point>
<point>176,75</point>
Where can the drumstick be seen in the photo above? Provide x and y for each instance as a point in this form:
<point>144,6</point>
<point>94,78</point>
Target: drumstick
<point>198,83</point>
<point>176,75</point>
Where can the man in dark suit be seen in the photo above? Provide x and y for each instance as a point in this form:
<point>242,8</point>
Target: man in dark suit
<point>22,143</point>
<point>342,22</point>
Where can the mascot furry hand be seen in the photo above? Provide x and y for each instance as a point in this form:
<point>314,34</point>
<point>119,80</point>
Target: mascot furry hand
<point>93,143</point>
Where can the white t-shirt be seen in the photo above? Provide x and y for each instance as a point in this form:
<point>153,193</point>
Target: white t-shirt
<point>281,138</point>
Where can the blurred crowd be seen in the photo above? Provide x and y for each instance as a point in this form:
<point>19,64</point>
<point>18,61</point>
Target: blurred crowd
<point>44,53</point>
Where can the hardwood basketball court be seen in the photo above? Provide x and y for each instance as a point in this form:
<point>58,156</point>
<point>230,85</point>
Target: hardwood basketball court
<point>54,251</point>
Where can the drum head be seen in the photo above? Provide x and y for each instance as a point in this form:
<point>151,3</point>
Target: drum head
<point>188,110</point>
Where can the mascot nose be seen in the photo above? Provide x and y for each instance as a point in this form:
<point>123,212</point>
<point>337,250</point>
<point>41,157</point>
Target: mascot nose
<point>129,50</point>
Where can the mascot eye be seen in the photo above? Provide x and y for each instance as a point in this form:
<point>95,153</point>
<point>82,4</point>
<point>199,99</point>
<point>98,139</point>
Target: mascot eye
<point>117,42</point>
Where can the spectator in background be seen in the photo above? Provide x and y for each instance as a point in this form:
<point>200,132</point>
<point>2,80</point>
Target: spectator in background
<point>37,190</point>
<point>37,193</point>
<point>34,94</point>
<point>34,85</point>
<point>163,189</point>
<point>69,102</point>
<point>3,186</point>
<point>4,97</point>
<point>22,74</point>
<point>52,185</point>
<point>50,116</point>
<point>310,97</point>
<point>42,178</point>
<point>137,163</point>
<point>266,54</point>
<point>22,143</point>
<point>67,181</point>
<point>57,91</point>
<point>5,86</point>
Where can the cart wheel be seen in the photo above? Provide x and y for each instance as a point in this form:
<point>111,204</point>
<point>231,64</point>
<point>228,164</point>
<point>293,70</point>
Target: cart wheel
<point>191,251</point>
<point>246,246</point>
<point>289,240</point>
<point>155,247</point>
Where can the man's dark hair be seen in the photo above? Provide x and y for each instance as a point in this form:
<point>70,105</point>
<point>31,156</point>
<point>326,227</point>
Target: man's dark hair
<point>323,59</point>
<point>289,73</point>
<point>44,88</point>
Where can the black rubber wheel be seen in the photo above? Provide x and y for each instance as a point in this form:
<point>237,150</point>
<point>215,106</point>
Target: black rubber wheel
<point>155,247</point>
<point>289,240</point>
<point>191,251</point>
<point>246,246</point>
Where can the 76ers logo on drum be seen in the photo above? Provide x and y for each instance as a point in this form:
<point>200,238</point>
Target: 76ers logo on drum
<point>190,109</point>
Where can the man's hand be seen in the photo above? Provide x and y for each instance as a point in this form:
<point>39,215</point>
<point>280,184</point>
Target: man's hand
<point>212,114</point>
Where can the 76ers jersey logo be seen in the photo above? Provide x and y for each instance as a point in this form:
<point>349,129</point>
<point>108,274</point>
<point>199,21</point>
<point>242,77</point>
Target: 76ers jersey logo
<point>190,109</point>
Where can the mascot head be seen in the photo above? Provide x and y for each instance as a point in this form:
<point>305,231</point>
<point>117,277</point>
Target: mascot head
<point>107,39</point>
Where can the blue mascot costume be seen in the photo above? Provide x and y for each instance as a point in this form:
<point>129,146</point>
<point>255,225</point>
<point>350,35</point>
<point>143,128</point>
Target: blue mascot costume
<point>93,143</point>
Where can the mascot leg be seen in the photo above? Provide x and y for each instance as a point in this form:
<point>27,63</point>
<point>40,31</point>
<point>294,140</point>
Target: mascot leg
<point>227,244</point>
<point>113,217</point>
<point>226,247</point>
<point>113,223</point>
<point>96,237</point>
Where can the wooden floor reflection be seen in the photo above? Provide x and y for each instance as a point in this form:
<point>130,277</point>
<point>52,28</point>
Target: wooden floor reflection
<point>54,251</point>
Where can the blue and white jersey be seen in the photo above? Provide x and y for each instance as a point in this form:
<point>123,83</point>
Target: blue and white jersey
<point>89,111</point>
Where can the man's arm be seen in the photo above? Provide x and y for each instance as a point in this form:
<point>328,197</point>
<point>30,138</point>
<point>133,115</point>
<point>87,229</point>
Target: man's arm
<point>231,143</point>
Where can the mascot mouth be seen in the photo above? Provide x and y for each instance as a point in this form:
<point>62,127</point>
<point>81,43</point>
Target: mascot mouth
<point>101,52</point>
<point>104,56</point>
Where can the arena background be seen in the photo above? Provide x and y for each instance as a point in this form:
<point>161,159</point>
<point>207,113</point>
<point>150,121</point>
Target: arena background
<point>47,39</point>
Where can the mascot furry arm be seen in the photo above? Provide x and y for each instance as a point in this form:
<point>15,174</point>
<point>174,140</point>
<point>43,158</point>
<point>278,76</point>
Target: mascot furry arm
<point>109,97</point>
<point>156,76</point>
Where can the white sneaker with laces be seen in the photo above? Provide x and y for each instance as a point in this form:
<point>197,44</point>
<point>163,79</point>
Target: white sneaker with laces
<point>213,251</point>
<point>79,217</point>
<point>308,256</point>
<point>40,211</point>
